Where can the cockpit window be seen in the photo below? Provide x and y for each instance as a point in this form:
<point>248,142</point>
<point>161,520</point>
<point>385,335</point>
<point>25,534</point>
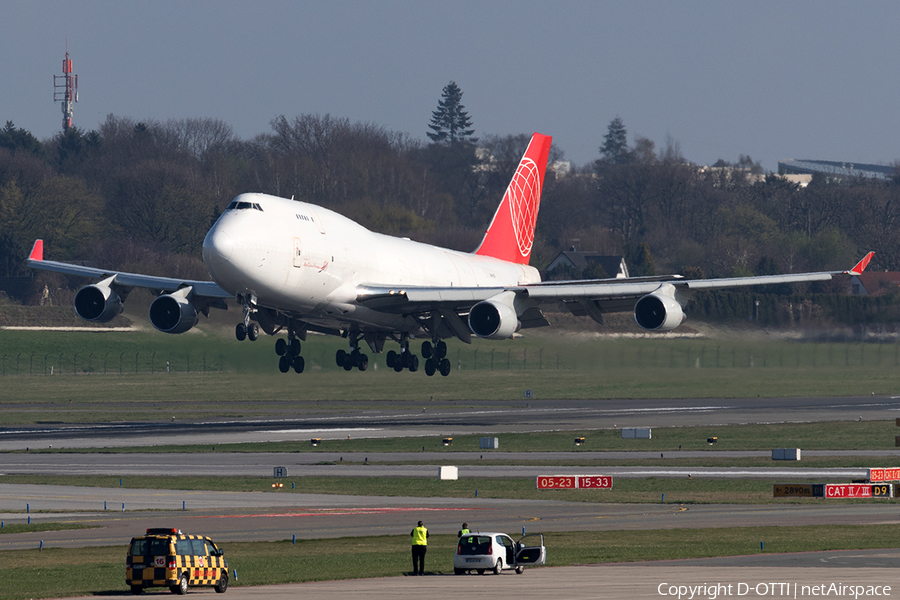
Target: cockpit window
<point>235,205</point>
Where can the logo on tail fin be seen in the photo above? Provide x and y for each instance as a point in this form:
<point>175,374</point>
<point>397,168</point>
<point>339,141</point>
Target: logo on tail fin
<point>524,187</point>
<point>511,233</point>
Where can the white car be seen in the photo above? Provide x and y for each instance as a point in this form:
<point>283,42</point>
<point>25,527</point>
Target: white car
<point>493,551</point>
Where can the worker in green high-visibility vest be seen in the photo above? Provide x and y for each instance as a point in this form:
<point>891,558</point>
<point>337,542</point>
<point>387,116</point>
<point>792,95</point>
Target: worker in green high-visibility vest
<point>419,547</point>
<point>463,531</point>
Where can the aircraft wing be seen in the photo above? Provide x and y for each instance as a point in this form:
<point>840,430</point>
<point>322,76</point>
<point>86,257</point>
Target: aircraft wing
<point>582,297</point>
<point>127,281</point>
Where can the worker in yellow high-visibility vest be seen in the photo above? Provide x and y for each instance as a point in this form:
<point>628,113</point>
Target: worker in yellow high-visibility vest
<point>419,547</point>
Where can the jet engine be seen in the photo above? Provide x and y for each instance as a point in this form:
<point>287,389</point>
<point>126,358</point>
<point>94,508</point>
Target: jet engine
<point>493,319</point>
<point>173,313</point>
<point>98,302</point>
<point>658,312</point>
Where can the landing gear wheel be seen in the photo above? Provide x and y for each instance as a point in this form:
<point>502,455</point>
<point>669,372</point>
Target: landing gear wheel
<point>281,346</point>
<point>362,362</point>
<point>520,570</point>
<point>445,367</point>
<point>298,364</point>
<point>426,349</point>
<point>440,350</point>
<point>391,359</point>
<point>182,587</point>
<point>240,332</point>
<point>413,363</point>
<point>253,332</point>
<point>222,584</point>
<point>498,567</point>
<point>429,367</point>
<point>399,362</point>
<point>293,347</point>
<point>340,357</point>
<point>284,364</point>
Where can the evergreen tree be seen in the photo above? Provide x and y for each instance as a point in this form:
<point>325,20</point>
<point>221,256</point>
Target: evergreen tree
<point>450,122</point>
<point>615,144</point>
<point>15,139</point>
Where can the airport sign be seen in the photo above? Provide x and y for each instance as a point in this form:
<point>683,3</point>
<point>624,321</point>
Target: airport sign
<point>574,482</point>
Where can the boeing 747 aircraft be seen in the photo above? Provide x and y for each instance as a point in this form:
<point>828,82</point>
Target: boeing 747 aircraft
<point>296,267</point>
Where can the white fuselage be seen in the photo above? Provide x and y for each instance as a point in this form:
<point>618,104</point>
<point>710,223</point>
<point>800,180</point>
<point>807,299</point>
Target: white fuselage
<point>308,261</point>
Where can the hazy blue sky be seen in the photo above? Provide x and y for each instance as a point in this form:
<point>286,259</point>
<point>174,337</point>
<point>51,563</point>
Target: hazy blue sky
<point>775,80</point>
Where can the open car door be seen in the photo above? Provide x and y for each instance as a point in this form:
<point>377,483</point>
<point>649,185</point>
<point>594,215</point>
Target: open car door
<point>532,551</point>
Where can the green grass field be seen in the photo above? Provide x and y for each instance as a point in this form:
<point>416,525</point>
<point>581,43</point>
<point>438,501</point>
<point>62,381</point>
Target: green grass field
<point>107,377</point>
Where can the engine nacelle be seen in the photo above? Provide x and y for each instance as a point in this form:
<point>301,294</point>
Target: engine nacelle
<point>98,302</point>
<point>173,313</point>
<point>658,312</point>
<point>493,320</point>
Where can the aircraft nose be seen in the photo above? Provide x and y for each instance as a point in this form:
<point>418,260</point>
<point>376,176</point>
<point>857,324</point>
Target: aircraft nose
<point>218,245</point>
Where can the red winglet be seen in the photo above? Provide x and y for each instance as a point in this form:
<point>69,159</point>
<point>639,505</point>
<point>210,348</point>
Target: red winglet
<point>861,265</point>
<point>37,251</point>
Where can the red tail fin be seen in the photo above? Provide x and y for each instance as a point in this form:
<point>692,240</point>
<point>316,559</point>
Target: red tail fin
<point>511,232</point>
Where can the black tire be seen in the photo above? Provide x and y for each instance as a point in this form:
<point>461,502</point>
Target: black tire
<point>340,358</point>
<point>284,364</point>
<point>429,367</point>
<point>399,362</point>
<point>253,332</point>
<point>440,350</point>
<point>240,332</point>
<point>413,363</point>
<point>298,364</point>
<point>445,367</point>
<point>222,584</point>
<point>182,587</point>
<point>520,570</point>
<point>137,589</point>
<point>426,349</point>
<point>498,567</point>
<point>481,571</point>
<point>391,358</point>
<point>281,346</point>
<point>459,571</point>
<point>362,362</point>
<point>293,347</point>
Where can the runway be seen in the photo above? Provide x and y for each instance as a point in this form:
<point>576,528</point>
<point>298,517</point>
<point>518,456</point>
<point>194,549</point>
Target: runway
<point>422,419</point>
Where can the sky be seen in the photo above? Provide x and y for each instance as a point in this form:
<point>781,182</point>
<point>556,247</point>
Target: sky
<point>772,80</point>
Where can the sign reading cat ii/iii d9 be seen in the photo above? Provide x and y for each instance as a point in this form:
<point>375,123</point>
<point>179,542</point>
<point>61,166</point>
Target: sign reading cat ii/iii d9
<point>834,490</point>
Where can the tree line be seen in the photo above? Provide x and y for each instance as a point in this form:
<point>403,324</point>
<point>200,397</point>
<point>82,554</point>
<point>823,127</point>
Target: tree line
<point>140,195</point>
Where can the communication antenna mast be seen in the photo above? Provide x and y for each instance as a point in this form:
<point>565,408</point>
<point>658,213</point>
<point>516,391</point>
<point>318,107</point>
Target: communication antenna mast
<point>65,90</point>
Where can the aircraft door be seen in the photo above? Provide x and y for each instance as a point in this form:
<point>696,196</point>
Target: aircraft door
<point>531,552</point>
<point>298,259</point>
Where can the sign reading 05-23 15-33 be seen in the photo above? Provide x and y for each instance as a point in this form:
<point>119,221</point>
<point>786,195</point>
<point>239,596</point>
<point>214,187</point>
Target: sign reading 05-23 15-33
<point>574,482</point>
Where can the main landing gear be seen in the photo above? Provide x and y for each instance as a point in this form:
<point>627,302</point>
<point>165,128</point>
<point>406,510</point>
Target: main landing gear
<point>289,351</point>
<point>436,358</point>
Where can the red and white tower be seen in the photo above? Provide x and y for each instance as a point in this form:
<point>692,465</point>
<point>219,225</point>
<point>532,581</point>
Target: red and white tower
<point>65,90</point>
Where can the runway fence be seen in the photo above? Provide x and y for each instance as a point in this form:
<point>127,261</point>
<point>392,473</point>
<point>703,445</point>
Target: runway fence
<point>644,354</point>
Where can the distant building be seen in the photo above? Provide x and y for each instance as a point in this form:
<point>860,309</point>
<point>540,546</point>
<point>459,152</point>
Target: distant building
<point>835,170</point>
<point>613,265</point>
